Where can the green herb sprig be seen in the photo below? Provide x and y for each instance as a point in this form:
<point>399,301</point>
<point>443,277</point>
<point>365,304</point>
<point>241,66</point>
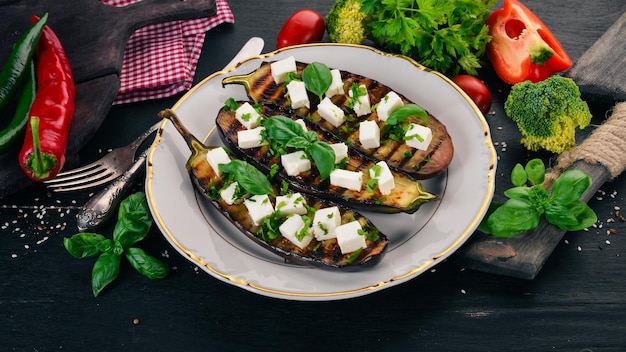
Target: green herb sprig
<point>395,128</point>
<point>285,133</point>
<point>134,222</point>
<point>529,201</point>
<point>446,36</point>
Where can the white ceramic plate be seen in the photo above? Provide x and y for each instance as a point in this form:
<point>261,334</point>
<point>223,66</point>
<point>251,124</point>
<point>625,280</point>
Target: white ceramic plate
<point>417,242</point>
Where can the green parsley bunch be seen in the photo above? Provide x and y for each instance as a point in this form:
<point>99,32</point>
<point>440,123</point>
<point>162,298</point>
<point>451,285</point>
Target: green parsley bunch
<point>448,36</point>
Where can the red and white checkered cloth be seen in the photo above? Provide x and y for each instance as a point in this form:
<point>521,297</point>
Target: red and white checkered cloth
<point>160,59</point>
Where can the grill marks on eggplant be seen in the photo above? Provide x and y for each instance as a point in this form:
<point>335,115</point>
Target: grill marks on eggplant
<point>325,254</point>
<point>420,164</point>
<point>407,196</point>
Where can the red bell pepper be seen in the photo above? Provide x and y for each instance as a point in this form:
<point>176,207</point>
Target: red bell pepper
<point>522,47</point>
<point>43,152</point>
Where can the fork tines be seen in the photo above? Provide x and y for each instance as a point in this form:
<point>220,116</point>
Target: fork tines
<point>91,175</point>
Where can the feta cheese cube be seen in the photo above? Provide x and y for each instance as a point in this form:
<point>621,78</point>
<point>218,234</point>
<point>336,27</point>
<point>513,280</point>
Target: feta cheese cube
<point>295,163</point>
<point>251,138</point>
<point>341,151</point>
<point>302,123</point>
<point>362,104</point>
<point>331,112</point>
<point>325,221</point>
<point>348,237</point>
<point>336,86</point>
<point>383,175</point>
<point>228,193</point>
<point>281,68</point>
<point>418,136</point>
<point>297,95</point>
<point>217,156</point>
<point>248,116</point>
<point>347,179</point>
<point>292,228</point>
<point>369,134</point>
<point>388,104</point>
<point>292,203</point>
<point>259,207</point>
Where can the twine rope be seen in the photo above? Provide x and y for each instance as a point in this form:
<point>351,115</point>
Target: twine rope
<point>606,146</point>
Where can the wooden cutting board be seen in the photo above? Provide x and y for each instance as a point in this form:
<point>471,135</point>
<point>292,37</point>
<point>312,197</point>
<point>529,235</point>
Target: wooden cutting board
<point>601,78</point>
<point>94,36</point>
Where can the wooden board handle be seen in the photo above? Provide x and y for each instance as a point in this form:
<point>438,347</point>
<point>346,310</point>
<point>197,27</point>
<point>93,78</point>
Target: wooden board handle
<point>602,156</point>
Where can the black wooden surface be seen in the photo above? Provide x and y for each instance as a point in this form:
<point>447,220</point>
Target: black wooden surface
<point>576,303</point>
<point>94,36</point>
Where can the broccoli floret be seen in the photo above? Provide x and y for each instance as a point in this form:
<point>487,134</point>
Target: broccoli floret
<point>547,113</point>
<point>346,23</point>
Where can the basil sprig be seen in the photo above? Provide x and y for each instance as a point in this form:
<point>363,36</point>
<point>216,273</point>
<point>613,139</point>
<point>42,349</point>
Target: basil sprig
<point>134,222</point>
<point>284,133</point>
<point>529,201</point>
<point>317,78</point>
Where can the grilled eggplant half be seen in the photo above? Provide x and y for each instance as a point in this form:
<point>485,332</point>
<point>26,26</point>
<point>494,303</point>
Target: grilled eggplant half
<point>407,195</point>
<point>420,164</point>
<point>324,253</point>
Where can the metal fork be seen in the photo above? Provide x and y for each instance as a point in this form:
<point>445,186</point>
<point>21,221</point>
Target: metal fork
<point>101,171</point>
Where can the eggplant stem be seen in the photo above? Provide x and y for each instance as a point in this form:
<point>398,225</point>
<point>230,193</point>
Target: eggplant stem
<point>193,143</point>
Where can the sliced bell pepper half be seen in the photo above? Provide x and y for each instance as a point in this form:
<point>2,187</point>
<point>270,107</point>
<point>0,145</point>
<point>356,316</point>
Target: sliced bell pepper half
<point>522,47</point>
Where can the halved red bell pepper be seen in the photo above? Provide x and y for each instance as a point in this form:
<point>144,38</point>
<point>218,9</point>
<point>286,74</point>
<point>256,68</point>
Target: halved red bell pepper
<point>522,47</point>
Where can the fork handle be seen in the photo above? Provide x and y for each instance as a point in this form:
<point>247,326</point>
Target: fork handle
<point>102,205</point>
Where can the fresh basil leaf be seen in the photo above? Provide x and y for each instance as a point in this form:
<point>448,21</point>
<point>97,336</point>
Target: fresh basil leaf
<point>324,158</point>
<point>535,171</point>
<point>513,217</point>
<point>521,192</point>
<point>134,220</point>
<point>282,129</point>
<point>484,226</point>
<point>570,186</point>
<point>84,245</point>
<point>518,176</point>
<point>584,215</point>
<point>248,177</point>
<point>559,215</point>
<point>298,142</point>
<point>311,136</point>
<point>146,264</point>
<point>105,270</point>
<point>408,110</point>
<point>317,78</point>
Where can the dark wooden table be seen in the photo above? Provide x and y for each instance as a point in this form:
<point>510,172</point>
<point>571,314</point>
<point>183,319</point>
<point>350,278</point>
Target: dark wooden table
<point>576,303</point>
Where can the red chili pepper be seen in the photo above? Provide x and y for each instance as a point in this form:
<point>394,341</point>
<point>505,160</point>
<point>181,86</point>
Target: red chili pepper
<point>43,152</point>
<point>522,47</point>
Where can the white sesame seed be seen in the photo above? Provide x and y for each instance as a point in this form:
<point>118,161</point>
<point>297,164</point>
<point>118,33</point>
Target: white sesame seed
<point>607,242</point>
<point>579,249</point>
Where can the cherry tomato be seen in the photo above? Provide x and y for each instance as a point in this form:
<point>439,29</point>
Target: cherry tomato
<point>303,27</point>
<point>476,90</point>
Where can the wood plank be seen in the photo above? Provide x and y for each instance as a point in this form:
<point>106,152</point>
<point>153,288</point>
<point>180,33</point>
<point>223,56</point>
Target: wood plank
<point>524,255</point>
<point>600,70</point>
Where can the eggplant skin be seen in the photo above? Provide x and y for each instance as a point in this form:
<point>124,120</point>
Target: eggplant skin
<point>419,164</point>
<point>407,196</point>
<point>327,255</point>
